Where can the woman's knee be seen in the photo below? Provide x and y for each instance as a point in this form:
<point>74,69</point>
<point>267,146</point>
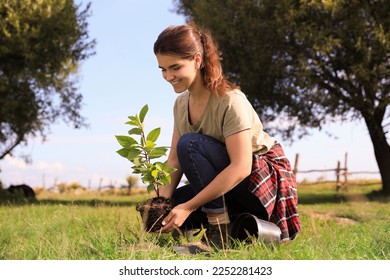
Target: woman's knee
<point>190,142</point>
<point>184,143</point>
<point>185,140</point>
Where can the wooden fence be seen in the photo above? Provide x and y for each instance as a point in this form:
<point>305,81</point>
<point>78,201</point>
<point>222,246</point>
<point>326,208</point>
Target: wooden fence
<point>342,173</point>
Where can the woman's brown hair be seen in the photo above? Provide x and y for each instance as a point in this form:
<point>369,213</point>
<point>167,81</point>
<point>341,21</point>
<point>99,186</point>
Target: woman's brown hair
<point>185,41</point>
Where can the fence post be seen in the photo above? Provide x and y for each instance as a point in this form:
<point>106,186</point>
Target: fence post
<point>100,184</point>
<point>295,170</point>
<point>346,172</point>
<point>338,185</point>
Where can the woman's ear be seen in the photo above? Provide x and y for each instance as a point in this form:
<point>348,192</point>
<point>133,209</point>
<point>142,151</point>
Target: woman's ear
<point>198,60</point>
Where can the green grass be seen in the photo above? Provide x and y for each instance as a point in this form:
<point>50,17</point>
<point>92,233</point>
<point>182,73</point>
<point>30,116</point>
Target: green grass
<point>346,225</point>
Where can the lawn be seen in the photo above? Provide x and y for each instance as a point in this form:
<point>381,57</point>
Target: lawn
<point>351,225</point>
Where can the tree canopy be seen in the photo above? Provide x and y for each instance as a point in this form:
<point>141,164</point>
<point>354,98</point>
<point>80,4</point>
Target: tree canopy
<point>304,63</point>
<point>41,46</point>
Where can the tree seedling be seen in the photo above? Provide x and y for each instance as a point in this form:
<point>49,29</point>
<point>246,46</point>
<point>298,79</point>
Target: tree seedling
<point>141,153</point>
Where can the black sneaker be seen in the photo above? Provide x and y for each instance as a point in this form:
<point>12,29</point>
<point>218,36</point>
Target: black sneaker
<point>217,236</point>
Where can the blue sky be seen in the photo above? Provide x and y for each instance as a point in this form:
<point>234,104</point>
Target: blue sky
<point>121,78</point>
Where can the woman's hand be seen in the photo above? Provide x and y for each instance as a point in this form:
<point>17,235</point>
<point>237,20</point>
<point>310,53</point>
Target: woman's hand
<point>175,218</point>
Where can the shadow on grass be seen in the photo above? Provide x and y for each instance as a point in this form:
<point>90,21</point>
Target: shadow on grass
<point>16,201</point>
<point>378,196</point>
<point>320,198</point>
<point>336,198</point>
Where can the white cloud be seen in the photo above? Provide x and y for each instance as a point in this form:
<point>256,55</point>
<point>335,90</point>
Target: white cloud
<point>49,167</point>
<point>15,162</point>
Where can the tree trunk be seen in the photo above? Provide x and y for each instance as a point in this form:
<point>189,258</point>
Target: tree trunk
<point>381,149</point>
<point>9,149</point>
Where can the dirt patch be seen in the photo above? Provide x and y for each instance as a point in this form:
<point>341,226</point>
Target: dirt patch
<point>356,197</point>
<point>332,216</point>
<point>345,221</point>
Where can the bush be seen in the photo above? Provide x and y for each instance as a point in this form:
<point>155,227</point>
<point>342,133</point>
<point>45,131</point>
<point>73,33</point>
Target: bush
<point>18,197</point>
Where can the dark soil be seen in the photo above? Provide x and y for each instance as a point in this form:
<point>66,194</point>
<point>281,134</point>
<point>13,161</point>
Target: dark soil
<point>153,211</point>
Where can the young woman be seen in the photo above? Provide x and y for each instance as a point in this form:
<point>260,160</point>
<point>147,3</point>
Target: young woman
<point>218,142</point>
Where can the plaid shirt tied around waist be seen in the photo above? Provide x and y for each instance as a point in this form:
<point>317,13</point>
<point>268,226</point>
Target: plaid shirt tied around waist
<point>274,183</point>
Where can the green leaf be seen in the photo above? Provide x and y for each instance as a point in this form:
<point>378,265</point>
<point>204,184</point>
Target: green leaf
<point>150,188</point>
<point>133,153</point>
<point>149,145</point>
<point>136,130</point>
<point>136,161</point>
<point>125,141</point>
<point>170,170</point>
<point>136,171</point>
<point>157,152</point>
<point>154,134</point>
<point>159,166</point>
<point>141,170</point>
<point>138,121</point>
<point>143,112</point>
<point>123,152</point>
<point>131,123</point>
<point>146,178</point>
<point>154,173</point>
<point>165,180</point>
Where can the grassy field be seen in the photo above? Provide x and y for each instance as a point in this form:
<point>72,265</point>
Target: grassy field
<point>353,225</point>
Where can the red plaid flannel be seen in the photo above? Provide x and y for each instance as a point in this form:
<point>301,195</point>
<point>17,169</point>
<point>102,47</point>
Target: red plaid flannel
<point>274,183</point>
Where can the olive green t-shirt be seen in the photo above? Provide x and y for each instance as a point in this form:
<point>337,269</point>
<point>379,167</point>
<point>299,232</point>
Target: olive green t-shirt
<point>222,117</point>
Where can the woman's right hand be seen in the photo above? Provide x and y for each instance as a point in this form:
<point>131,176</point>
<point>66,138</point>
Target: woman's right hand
<point>175,218</point>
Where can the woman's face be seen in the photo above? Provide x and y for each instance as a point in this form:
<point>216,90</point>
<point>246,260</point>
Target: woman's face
<point>180,73</point>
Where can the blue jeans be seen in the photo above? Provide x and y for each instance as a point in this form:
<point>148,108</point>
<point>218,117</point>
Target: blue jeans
<point>202,158</point>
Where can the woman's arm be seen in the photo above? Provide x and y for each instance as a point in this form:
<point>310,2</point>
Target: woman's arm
<point>173,162</point>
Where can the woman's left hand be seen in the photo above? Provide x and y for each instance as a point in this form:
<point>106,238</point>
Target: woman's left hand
<point>175,218</point>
